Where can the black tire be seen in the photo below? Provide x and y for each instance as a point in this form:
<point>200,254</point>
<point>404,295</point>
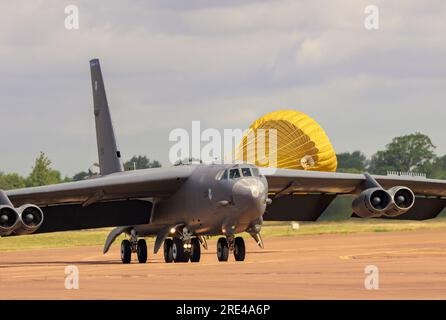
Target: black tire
<point>239,249</point>
<point>168,254</point>
<point>126,251</point>
<point>141,251</point>
<point>178,252</point>
<point>195,250</point>
<point>222,249</point>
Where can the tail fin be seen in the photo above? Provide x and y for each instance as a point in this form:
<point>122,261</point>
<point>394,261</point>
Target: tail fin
<point>109,155</point>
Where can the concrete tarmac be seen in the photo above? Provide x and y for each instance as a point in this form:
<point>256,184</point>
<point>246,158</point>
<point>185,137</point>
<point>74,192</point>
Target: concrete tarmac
<point>410,265</point>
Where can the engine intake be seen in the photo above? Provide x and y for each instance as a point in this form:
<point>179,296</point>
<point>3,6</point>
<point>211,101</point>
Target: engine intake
<point>9,218</point>
<point>31,218</point>
<point>403,200</point>
<point>372,202</point>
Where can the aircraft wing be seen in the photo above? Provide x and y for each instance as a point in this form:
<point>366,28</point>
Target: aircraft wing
<point>118,199</point>
<point>304,195</point>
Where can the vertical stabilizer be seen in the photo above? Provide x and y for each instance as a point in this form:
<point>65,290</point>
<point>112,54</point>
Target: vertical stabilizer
<point>109,155</point>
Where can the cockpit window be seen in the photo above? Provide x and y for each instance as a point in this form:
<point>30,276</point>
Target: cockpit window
<point>255,172</point>
<point>234,174</point>
<point>237,172</point>
<point>246,172</point>
<point>222,175</point>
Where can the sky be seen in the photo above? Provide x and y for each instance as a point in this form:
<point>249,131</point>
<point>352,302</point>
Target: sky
<point>226,63</point>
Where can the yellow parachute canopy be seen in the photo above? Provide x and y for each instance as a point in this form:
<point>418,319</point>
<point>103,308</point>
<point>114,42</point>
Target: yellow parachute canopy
<point>298,142</point>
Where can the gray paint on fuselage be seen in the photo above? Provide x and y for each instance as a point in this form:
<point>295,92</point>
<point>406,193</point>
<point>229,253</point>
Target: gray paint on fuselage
<point>196,204</point>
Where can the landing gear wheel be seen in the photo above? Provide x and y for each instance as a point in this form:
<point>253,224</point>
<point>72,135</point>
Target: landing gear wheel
<point>222,249</point>
<point>239,249</point>
<point>196,250</point>
<point>168,250</point>
<point>126,251</point>
<point>178,252</point>
<point>141,251</point>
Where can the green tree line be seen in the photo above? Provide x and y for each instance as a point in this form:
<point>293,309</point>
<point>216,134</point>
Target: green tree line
<point>410,153</point>
<point>43,174</point>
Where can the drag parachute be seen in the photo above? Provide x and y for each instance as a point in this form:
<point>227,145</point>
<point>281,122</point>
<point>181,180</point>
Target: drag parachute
<point>298,142</point>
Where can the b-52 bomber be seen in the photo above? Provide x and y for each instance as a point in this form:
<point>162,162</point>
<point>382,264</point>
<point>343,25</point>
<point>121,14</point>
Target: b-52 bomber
<point>181,206</point>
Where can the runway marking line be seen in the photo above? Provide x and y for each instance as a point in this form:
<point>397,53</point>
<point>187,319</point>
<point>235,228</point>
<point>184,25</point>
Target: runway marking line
<point>439,252</point>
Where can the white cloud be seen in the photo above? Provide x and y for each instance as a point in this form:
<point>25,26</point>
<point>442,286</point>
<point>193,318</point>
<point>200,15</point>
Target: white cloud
<point>223,62</point>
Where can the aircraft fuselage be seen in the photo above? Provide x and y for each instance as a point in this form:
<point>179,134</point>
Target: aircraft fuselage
<point>215,200</point>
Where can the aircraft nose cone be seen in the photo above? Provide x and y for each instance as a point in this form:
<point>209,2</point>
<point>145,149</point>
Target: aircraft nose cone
<point>250,195</point>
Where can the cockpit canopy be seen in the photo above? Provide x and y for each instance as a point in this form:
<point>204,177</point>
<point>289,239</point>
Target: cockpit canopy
<point>238,171</point>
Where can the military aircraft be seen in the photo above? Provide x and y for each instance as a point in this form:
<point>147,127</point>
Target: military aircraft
<point>183,205</point>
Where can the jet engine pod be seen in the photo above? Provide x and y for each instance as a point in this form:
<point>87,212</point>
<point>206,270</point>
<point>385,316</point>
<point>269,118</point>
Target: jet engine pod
<point>31,218</point>
<point>372,202</point>
<point>8,219</point>
<point>402,200</point>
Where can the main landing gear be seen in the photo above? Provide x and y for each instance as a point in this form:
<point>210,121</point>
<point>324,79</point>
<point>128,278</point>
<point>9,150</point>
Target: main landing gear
<point>133,246</point>
<point>178,250</point>
<point>183,247</point>
<point>236,245</point>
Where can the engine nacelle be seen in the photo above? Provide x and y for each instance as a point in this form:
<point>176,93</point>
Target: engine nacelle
<point>30,219</point>
<point>9,219</point>
<point>372,202</point>
<point>402,200</point>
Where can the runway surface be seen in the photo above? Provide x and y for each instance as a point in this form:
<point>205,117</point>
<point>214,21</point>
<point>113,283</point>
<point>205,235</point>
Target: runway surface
<point>411,265</point>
